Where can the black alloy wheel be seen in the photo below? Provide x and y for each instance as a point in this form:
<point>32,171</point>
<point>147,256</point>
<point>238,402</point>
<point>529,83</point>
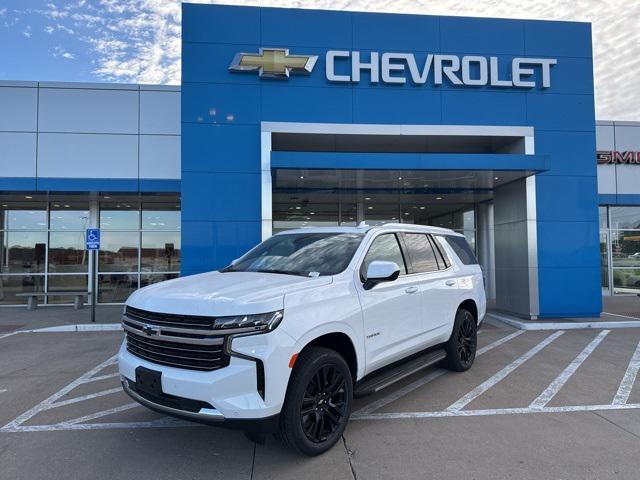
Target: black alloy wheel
<point>467,339</point>
<point>318,401</point>
<point>324,404</point>
<point>462,345</point>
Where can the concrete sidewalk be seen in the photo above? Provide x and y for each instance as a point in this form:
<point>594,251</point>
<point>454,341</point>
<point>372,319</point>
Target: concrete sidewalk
<point>19,318</point>
<point>617,312</point>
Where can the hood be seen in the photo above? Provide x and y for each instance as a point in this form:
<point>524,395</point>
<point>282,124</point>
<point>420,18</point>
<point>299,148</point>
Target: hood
<point>220,294</point>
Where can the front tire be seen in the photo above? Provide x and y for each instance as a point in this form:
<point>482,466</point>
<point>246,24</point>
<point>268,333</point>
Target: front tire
<point>461,347</point>
<point>318,402</point>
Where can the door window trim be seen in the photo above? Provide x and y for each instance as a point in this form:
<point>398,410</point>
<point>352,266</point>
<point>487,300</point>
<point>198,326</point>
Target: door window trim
<point>361,274</point>
<point>408,253</point>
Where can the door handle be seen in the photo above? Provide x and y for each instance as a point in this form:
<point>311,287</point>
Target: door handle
<point>450,283</point>
<point>411,289</point>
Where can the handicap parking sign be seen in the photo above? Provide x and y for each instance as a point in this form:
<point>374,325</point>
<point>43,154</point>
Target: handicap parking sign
<point>93,239</point>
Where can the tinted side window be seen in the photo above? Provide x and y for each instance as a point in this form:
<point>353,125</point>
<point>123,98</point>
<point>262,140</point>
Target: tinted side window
<point>385,248</point>
<point>443,259</point>
<point>462,249</point>
<point>420,252</point>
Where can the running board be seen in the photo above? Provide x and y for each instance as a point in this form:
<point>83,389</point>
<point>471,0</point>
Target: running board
<point>389,376</point>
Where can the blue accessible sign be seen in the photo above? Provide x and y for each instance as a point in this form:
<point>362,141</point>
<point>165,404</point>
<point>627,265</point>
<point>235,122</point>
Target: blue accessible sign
<point>93,239</point>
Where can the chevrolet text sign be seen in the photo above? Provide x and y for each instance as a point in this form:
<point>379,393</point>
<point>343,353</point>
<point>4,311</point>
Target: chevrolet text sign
<point>345,66</point>
<point>401,67</point>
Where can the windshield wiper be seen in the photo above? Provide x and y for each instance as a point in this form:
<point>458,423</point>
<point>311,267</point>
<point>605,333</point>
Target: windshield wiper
<point>284,272</point>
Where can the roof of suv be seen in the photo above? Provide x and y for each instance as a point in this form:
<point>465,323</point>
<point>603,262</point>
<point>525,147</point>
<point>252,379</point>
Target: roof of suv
<point>363,228</point>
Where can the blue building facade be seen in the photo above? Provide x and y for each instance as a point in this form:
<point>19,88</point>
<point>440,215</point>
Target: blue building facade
<point>240,130</point>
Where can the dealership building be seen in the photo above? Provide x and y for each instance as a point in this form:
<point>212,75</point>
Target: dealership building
<point>291,118</point>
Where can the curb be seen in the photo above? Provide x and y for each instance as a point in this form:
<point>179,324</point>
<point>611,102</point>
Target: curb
<point>532,325</point>
<point>83,327</point>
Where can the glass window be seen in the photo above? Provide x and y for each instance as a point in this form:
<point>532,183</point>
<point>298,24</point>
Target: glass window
<point>626,280</point>
<point>297,213</point>
<point>67,252</point>
<point>66,283</point>
<point>625,248</point>
<point>10,285</point>
<point>149,279</point>
<point>442,254</point>
<point>116,288</point>
<point>119,252</point>
<point>625,217</point>
<point>420,252</point>
<point>161,216</point>
<point>462,249</point>
<point>378,213</point>
<point>22,252</point>
<point>385,248</point>
<point>301,254</point>
<point>160,252</point>
<point>69,215</point>
<point>604,262</point>
<point>23,215</point>
<point>602,211</point>
<point>120,215</point>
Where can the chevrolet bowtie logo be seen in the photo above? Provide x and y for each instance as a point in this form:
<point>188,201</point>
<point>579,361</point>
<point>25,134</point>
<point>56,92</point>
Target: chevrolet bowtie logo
<point>273,63</point>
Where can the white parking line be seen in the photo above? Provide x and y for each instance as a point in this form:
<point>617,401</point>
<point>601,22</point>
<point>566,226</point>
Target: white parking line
<point>555,386</point>
<point>102,377</point>
<point>5,335</point>
<point>14,425</point>
<point>101,414</point>
<point>85,397</point>
<point>407,389</point>
<point>165,422</point>
<point>618,315</point>
<point>487,384</point>
<point>496,411</point>
<point>626,385</point>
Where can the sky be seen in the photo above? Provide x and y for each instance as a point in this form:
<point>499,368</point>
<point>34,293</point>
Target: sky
<point>138,41</point>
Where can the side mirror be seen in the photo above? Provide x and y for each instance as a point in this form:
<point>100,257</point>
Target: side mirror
<point>380,271</point>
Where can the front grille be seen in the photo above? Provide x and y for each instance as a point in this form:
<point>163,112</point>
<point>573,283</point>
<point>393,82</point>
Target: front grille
<point>182,341</point>
<point>169,319</point>
<point>175,354</point>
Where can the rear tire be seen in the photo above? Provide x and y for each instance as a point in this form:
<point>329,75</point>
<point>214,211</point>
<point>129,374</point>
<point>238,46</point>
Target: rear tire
<point>318,402</point>
<point>461,347</point>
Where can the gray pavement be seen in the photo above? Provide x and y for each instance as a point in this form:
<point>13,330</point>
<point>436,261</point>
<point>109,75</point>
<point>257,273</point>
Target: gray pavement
<point>62,416</point>
<point>19,318</point>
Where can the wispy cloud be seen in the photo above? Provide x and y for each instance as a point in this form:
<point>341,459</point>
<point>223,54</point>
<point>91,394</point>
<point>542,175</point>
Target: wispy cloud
<point>27,32</point>
<point>139,40</point>
<point>61,52</point>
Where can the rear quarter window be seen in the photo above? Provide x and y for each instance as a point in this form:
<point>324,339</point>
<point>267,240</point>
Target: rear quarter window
<point>462,249</point>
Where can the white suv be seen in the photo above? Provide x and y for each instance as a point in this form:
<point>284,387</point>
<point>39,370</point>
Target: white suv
<point>282,339</point>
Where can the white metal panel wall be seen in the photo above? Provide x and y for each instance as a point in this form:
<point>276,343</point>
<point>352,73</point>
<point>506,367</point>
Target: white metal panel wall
<point>76,110</point>
<point>621,137</point>
<point>95,131</point>
<point>160,112</point>
<point>605,140</point>
<point>17,154</point>
<point>158,154</point>
<point>70,155</point>
<point>18,108</point>
<point>627,137</point>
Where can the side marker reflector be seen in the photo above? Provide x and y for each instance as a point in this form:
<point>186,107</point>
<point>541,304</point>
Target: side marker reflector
<point>292,362</point>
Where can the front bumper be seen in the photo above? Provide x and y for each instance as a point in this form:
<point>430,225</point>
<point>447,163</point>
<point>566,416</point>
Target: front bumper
<point>229,395</point>
<point>208,416</point>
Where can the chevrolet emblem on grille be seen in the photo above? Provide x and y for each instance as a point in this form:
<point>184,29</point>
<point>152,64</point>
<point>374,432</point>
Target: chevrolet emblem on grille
<point>149,330</point>
<point>273,63</point>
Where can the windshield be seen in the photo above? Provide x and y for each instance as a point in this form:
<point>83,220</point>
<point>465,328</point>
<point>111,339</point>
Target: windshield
<point>306,254</point>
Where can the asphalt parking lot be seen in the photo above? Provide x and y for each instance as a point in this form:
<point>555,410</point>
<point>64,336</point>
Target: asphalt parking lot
<point>536,405</point>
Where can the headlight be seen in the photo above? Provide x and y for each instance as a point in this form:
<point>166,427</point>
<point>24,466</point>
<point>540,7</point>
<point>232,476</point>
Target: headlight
<point>258,322</point>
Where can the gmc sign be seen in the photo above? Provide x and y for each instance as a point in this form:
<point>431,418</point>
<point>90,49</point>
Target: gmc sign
<point>613,157</point>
